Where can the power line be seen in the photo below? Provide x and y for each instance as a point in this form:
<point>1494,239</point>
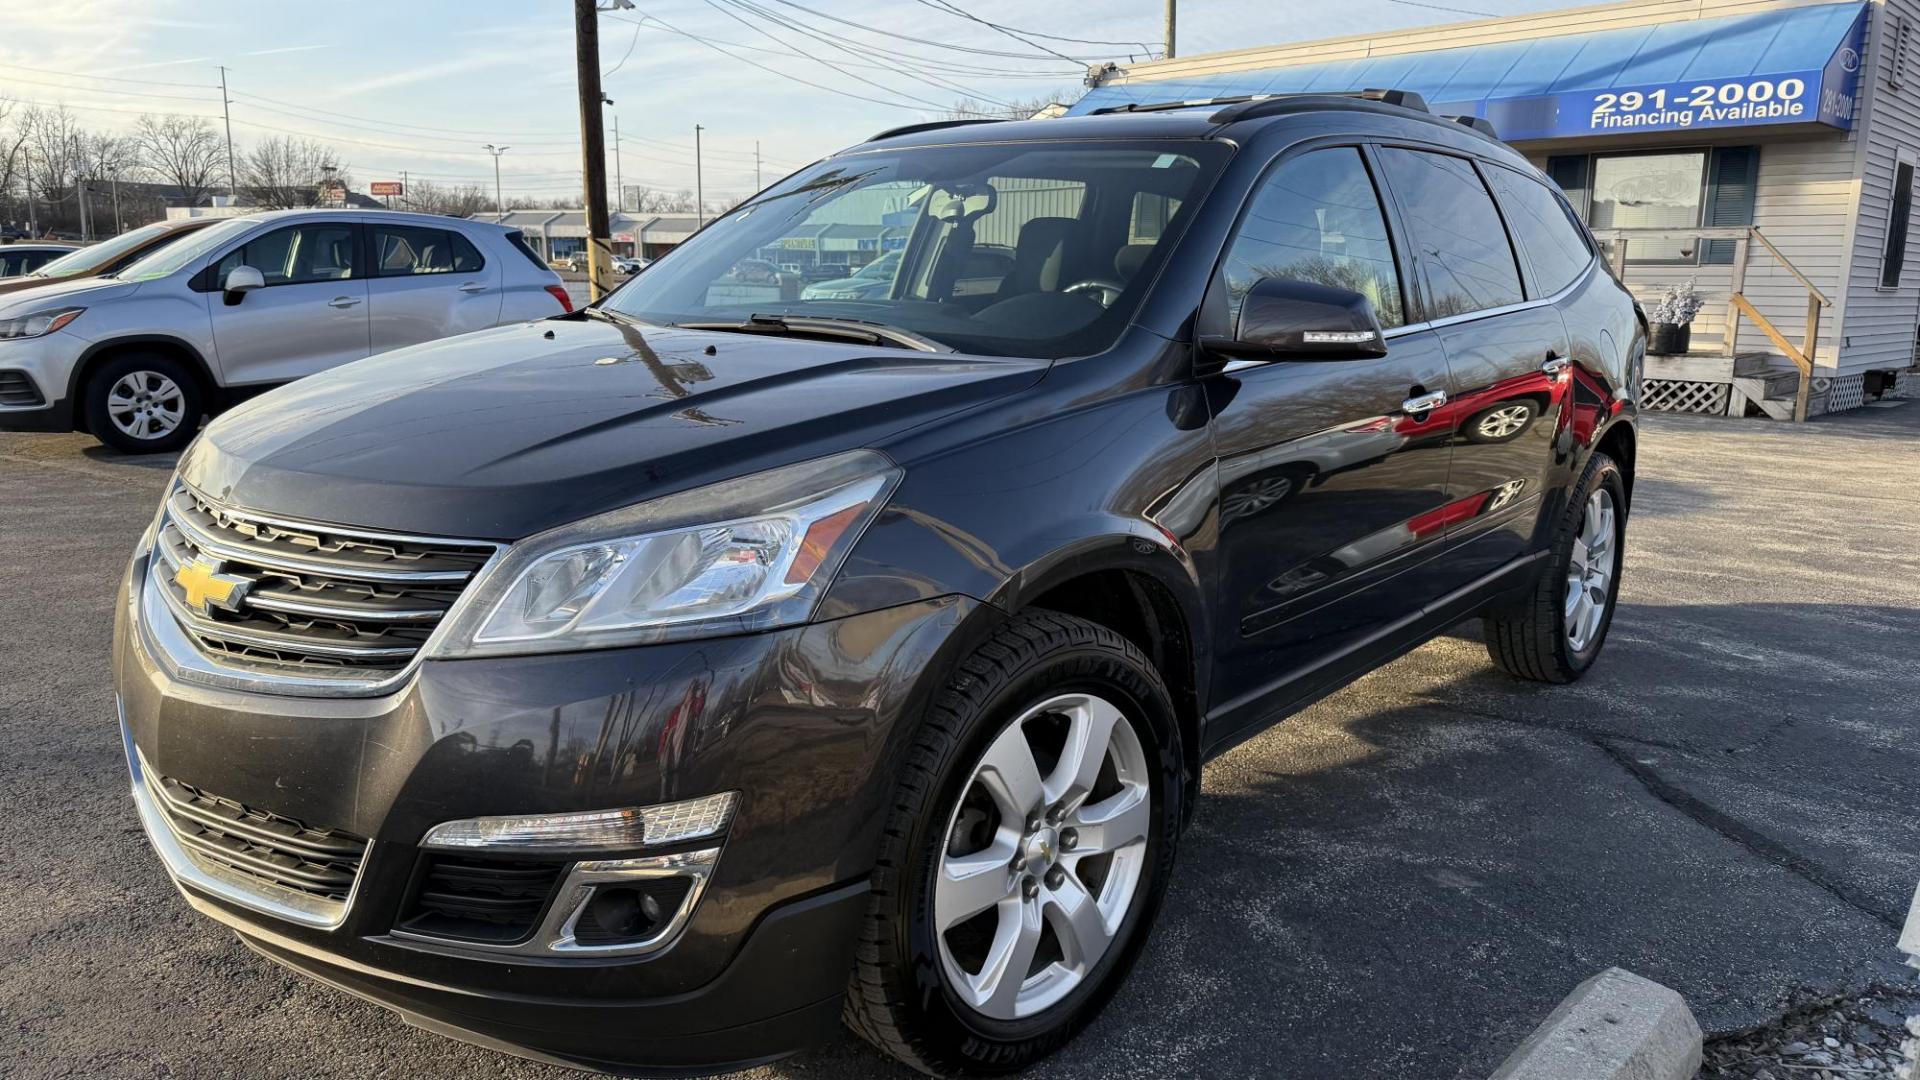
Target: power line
<point>724,51</point>
<point>959,48</point>
<point>847,47</point>
<point>822,61</point>
<point>943,5</point>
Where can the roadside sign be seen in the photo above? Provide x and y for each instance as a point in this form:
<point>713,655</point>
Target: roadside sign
<point>387,187</point>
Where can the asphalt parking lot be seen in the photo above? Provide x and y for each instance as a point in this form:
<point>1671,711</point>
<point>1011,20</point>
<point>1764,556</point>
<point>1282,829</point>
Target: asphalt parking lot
<point>1399,882</point>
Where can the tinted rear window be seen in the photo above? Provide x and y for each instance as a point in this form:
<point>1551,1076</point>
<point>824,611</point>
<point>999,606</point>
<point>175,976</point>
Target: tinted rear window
<point>519,242</point>
<point>1556,249</point>
<point>1460,247</point>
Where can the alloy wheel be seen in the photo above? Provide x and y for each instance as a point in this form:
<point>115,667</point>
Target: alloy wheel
<point>1590,571</point>
<point>1043,856</point>
<point>1505,421</point>
<point>1256,497</point>
<point>146,405</point>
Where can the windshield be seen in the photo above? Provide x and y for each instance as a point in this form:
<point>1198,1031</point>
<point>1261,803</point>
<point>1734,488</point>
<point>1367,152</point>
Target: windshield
<point>89,259</point>
<point>176,256</point>
<point>1041,249</point>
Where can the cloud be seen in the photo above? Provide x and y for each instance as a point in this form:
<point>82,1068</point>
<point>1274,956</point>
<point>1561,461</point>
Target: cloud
<point>478,61</point>
<point>286,49</point>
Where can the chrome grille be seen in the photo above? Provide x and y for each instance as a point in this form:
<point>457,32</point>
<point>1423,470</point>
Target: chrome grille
<point>303,598</point>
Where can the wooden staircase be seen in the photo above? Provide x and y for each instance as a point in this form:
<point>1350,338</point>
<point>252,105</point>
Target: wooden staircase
<point>1770,387</point>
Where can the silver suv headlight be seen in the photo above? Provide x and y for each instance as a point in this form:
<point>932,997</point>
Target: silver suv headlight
<point>39,323</point>
<point>743,555</point>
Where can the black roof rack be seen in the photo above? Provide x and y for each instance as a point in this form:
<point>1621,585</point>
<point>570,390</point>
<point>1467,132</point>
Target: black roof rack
<point>932,125</point>
<point>1478,123</point>
<point>1163,106</point>
<point>1274,104</point>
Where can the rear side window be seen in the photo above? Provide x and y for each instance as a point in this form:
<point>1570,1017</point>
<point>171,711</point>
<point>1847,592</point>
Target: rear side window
<point>405,250</point>
<point>1556,249</point>
<point>519,242</point>
<point>1317,218</point>
<point>1460,248</point>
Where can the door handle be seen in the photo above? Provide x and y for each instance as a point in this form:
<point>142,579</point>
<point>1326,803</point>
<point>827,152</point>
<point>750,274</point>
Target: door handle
<point>473,287</point>
<point>343,301</point>
<point>1554,365</point>
<point>1424,403</point>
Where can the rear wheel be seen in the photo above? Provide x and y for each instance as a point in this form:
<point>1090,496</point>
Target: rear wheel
<point>143,403</point>
<point>1026,851</point>
<point>1556,633</point>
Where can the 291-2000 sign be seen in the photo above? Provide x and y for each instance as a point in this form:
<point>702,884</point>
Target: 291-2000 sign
<point>1702,96</point>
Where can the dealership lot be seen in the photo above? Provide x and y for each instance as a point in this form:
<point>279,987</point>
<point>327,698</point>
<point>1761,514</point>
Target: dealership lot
<point>1399,882</point>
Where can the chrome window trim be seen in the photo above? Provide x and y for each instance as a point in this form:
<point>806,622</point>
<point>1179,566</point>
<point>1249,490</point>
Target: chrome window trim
<point>170,644</point>
<point>190,874</point>
<point>554,937</point>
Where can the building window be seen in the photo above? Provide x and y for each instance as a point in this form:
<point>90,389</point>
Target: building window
<point>1893,256</point>
<point>1650,191</point>
<point>1675,189</point>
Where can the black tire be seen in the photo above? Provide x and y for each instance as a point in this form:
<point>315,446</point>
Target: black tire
<point>1529,639</point>
<point>96,410</point>
<point>899,998</point>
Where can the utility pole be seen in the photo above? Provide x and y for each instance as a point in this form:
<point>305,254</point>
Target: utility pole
<point>1171,18</point>
<point>80,195</point>
<point>756,164</point>
<point>699,184</point>
<point>619,181</point>
<point>498,206</point>
<point>113,183</point>
<point>226,111</point>
<point>405,199</point>
<point>593,147</point>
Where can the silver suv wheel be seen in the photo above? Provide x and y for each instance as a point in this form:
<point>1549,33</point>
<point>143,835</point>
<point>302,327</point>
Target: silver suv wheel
<point>1043,856</point>
<point>1590,570</point>
<point>146,405</point>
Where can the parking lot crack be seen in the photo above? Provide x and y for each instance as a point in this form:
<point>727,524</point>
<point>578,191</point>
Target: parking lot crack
<point>1761,845</point>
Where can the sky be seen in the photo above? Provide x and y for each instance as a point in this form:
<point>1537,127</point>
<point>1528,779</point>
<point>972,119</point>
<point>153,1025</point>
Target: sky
<point>419,85</point>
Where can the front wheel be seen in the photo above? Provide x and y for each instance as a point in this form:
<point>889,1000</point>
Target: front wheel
<point>1025,854</point>
<point>143,403</point>
<point>1555,634</point>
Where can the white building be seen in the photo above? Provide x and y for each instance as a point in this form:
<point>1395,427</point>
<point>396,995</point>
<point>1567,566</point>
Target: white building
<point>1765,150</point>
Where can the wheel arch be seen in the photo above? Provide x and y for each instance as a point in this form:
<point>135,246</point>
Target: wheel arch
<point>1620,441</point>
<point>1144,588</point>
<point>102,351</point>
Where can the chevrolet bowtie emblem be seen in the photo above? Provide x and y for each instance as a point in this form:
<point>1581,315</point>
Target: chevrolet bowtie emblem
<point>207,588</point>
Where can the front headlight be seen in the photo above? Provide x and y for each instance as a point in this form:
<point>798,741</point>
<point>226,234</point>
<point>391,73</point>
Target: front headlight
<point>744,555</point>
<point>39,323</point>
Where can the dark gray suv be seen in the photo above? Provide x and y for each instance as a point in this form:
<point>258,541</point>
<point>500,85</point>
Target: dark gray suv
<point>662,683</point>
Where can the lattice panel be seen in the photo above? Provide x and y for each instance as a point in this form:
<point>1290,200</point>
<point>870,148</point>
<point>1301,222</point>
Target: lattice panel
<point>1906,384</point>
<point>1678,395</point>
<point>1847,392</point>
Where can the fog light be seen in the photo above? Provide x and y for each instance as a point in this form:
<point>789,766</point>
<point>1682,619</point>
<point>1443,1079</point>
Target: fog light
<point>596,830</point>
<point>622,914</point>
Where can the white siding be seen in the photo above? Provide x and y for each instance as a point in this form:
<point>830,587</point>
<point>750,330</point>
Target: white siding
<point>1878,324</point>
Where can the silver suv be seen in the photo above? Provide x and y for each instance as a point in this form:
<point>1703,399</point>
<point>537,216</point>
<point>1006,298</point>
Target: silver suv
<point>137,358</point>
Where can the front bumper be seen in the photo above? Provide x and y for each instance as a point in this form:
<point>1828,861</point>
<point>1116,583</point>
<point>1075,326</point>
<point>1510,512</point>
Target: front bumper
<point>803,723</point>
<point>53,416</point>
<point>46,363</point>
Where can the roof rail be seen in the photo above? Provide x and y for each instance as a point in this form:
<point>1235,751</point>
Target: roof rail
<point>1163,106</point>
<point>932,125</point>
<point>1478,123</point>
<point>1275,104</point>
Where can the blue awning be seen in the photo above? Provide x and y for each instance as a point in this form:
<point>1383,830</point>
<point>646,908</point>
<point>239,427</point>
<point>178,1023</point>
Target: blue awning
<point>1786,66</point>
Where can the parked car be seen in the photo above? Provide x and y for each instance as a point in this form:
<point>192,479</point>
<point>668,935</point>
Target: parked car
<point>609,688</point>
<point>26,256</point>
<point>136,359</point>
<point>871,280</point>
<point>107,256</point>
<point>628,264</point>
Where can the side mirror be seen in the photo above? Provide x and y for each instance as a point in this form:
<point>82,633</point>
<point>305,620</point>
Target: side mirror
<point>242,280</point>
<point>1287,319</point>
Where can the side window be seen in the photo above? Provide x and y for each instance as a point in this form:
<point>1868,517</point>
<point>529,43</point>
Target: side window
<point>405,250</point>
<point>1556,248</point>
<point>295,255</point>
<point>1459,245</point>
<point>1317,218</point>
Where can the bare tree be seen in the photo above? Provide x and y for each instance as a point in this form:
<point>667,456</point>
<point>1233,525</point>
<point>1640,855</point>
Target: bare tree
<point>182,151</point>
<point>283,172</point>
<point>104,159</point>
<point>53,143</point>
<point>463,200</point>
<point>14,133</point>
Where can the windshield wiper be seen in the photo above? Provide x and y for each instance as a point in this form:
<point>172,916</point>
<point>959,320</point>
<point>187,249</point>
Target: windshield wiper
<point>877,333</point>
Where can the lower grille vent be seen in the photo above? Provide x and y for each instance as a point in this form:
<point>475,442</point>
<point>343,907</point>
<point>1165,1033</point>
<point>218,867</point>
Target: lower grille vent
<point>277,853</point>
<point>486,900</point>
<point>17,389</point>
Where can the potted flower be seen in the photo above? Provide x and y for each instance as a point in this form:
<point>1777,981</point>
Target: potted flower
<point>1672,319</point>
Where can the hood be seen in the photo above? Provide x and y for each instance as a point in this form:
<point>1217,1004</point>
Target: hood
<point>18,297</point>
<point>509,431</point>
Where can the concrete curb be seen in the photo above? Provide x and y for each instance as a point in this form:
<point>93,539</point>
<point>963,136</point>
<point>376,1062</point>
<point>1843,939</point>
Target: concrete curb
<point>1614,1026</point>
<point>1910,934</point>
